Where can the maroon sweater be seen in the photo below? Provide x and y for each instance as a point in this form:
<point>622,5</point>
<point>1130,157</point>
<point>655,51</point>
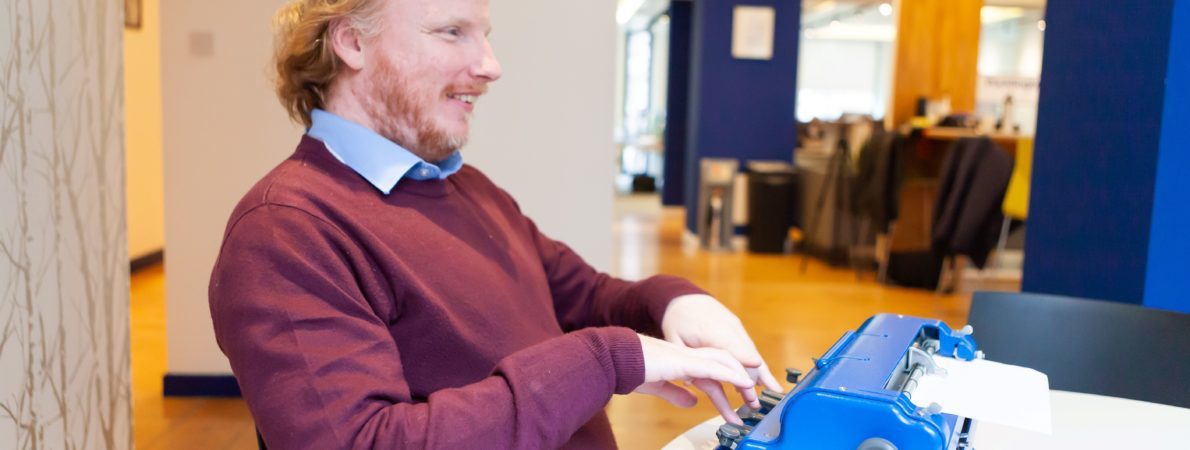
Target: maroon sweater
<point>436,316</point>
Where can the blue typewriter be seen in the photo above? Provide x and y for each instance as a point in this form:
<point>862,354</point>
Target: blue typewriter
<point>857,396</point>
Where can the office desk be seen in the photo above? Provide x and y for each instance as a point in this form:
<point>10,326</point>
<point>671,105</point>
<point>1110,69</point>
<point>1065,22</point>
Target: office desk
<point>1006,141</point>
<point>1080,421</point>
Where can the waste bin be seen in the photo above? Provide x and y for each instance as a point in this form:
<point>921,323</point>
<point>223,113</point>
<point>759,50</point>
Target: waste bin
<point>772,204</point>
<point>715,227</point>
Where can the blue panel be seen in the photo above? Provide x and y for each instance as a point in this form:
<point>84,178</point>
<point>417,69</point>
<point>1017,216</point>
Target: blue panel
<point>1099,122</point>
<point>740,108</point>
<point>1168,283</point>
<point>677,106</point>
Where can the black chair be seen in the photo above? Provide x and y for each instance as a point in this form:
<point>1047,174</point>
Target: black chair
<point>1089,346</point>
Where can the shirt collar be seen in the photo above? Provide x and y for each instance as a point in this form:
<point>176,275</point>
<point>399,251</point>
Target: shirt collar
<point>380,161</point>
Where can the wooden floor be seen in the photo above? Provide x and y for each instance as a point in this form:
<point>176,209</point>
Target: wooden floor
<point>160,423</point>
<point>792,316</point>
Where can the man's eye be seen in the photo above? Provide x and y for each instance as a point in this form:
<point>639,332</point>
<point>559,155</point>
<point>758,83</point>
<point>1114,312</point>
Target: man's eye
<point>453,31</point>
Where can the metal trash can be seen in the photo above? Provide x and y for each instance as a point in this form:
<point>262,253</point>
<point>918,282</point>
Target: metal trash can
<point>715,186</point>
<point>772,201</point>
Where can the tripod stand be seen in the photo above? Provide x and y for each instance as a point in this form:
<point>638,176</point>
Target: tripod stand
<point>838,181</point>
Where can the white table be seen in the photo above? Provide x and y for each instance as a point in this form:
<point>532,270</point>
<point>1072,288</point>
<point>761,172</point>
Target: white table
<point>1080,421</point>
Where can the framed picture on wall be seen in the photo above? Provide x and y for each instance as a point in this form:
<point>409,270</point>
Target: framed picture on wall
<point>132,14</point>
<point>752,29</point>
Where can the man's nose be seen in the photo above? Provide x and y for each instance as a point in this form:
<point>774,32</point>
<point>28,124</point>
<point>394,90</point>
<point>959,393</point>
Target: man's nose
<point>488,67</point>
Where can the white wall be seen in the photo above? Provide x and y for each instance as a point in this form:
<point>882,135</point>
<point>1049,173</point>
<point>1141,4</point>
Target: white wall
<point>64,363</point>
<point>223,130</point>
<point>1010,54</point>
<point>1012,47</point>
<point>843,76</point>
<point>142,113</point>
<point>544,130</point>
<point>543,133</point>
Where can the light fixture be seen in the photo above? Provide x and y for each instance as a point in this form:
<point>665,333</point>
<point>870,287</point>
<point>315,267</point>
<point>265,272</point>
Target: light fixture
<point>1041,24</point>
<point>886,9</point>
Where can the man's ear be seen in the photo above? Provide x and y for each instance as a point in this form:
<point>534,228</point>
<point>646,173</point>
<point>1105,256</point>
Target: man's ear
<point>347,44</point>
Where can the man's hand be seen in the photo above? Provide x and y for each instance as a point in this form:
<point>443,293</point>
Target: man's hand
<point>705,368</point>
<point>699,321</point>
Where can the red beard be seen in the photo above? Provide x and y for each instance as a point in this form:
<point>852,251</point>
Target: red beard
<point>401,114</point>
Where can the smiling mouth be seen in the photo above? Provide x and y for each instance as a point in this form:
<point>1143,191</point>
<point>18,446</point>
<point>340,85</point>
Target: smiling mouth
<point>465,98</point>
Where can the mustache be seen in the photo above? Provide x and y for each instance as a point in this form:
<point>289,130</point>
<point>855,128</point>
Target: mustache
<point>477,89</point>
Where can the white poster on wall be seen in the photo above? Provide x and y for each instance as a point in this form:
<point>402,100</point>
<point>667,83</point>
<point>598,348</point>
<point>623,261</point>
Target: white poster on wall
<point>752,32</point>
<point>1020,94</point>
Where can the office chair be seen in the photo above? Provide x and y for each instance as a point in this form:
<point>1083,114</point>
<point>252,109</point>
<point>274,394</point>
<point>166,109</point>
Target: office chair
<point>1016,199</point>
<point>1089,346</point>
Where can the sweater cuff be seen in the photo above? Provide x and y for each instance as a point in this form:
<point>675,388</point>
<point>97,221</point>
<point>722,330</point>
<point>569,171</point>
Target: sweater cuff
<point>619,352</point>
<point>659,290</point>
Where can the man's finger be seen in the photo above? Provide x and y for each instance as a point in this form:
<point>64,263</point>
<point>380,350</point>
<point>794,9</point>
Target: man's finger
<point>714,370</point>
<point>750,398</point>
<point>738,374</point>
<point>735,341</point>
<point>746,354</point>
<point>743,349</point>
<point>714,391</point>
<point>671,393</point>
<point>767,378</point>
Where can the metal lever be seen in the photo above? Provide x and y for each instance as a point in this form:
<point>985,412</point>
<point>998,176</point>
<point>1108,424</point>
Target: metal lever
<point>919,357</point>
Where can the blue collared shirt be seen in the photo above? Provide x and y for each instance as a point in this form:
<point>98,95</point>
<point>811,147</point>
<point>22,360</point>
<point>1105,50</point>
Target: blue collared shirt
<point>380,161</point>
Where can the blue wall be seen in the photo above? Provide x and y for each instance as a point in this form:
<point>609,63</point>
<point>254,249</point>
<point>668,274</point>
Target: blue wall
<point>739,108</point>
<point>677,106</point>
<point>1099,135</point>
<point>1168,283</point>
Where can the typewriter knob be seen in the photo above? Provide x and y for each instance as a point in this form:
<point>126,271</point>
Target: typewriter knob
<point>752,418</point>
<point>792,375</point>
<point>934,408</point>
<point>876,444</point>
<point>769,400</point>
<point>729,435</point>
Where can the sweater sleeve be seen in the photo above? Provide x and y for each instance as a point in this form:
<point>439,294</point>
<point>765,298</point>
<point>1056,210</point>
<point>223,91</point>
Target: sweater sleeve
<point>319,368</point>
<point>585,297</point>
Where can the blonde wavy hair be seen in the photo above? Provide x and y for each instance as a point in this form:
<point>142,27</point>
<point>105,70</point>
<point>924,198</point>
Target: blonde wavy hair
<point>304,59</point>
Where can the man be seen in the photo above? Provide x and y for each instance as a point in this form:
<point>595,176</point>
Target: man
<point>374,292</point>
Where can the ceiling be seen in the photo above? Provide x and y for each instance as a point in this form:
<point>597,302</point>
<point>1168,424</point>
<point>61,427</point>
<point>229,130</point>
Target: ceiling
<point>812,4</point>
<point>636,14</point>
<point>864,20</point>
